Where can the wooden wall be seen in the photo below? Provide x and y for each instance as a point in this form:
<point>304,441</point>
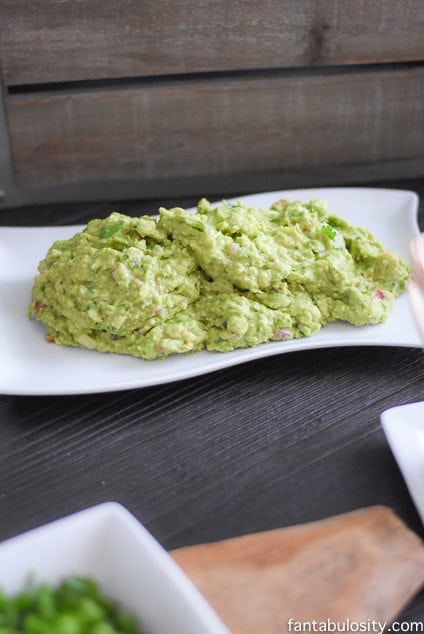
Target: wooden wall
<point>149,98</point>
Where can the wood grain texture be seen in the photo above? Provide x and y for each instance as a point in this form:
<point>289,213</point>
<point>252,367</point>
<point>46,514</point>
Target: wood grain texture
<point>267,444</point>
<point>192,129</point>
<point>361,565</point>
<point>68,40</point>
<point>8,190</point>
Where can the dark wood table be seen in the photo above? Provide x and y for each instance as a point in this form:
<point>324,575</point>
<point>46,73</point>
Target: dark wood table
<point>270,443</point>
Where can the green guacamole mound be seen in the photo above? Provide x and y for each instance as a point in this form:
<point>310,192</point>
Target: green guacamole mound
<point>225,277</point>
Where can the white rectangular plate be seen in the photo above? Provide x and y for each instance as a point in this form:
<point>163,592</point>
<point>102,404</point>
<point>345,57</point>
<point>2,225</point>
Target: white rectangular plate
<point>404,429</point>
<point>30,366</point>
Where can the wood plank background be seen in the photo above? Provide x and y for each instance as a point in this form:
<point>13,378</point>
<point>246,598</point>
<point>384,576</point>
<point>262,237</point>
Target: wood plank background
<point>141,98</point>
<point>63,40</point>
<point>217,126</point>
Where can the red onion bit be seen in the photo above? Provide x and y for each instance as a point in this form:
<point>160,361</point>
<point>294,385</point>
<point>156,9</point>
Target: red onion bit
<point>378,295</point>
<point>283,335</point>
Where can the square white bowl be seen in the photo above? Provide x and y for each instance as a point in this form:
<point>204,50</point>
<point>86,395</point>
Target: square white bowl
<point>108,544</point>
<point>404,429</point>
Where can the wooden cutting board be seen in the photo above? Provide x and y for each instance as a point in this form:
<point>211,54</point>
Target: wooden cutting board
<point>361,565</point>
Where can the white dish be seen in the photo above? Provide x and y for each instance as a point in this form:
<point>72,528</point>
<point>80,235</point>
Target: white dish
<point>404,429</point>
<point>107,544</point>
<point>33,367</point>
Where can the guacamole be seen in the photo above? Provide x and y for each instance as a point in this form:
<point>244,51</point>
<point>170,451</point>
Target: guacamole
<point>225,277</point>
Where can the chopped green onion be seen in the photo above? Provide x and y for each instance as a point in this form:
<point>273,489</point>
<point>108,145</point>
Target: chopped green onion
<point>329,231</point>
<point>109,230</point>
<point>77,606</point>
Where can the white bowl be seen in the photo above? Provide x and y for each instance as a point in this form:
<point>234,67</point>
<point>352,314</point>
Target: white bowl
<point>404,429</point>
<point>107,544</point>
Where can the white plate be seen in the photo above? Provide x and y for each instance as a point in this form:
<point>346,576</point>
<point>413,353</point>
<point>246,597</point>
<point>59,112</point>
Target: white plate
<point>30,366</point>
<point>107,544</point>
<point>404,429</point>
